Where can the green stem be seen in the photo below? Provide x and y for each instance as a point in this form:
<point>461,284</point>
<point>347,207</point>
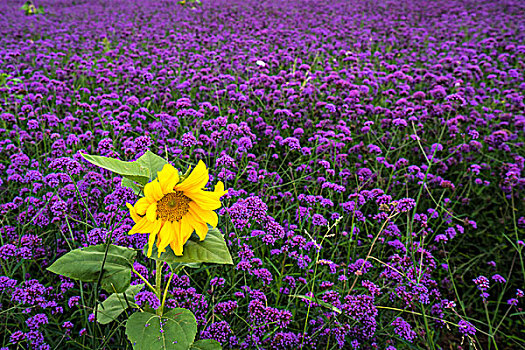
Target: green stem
<point>513,209</point>
<point>166,292</point>
<point>491,334</point>
<point>145,280</point>
<point>158,282</point>
<point>315,275</point>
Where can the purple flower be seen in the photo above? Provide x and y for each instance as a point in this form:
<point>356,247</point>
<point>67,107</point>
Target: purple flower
<point>36,321</point>
<point>319,220</point>
<point>7,251</point>
<point>291,142</point>
<point>403,329</point>
<point>216,281</point>
<point>73,301</point>
<point>466,328</point>
<point>499,279</point>
<point>219,331</point>
<point>16,337</point>
<point>482,283</point>
<point>226,307</point>
<point>147,297</point>
<point>188,140</point>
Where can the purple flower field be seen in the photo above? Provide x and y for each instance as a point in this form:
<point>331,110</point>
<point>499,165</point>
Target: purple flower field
<point>373,153</point>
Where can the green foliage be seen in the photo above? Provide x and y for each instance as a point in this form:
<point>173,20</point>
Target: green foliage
<point>107,44</point>
<point>206,344</point>
<point>110,309</point>
<point>3,79</point>
<point>143,170</point>
<point>190,2</point>
<point>130,170</point>
<point>30,9</point>
<point>91,263</point>
<point>137,189</point>
<point>152,162</point>
<point>177,266</point>
<point>8,83</point>
<point>212,250</point>
<point>147,331</point>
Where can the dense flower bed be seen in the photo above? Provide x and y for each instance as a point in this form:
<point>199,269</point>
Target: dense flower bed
<point>373,153</point>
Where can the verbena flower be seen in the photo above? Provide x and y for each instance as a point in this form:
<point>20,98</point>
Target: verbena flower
<point>466,327</point>
<point>171,209</point>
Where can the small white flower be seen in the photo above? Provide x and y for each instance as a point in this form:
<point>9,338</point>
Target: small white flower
<point>260,63</point>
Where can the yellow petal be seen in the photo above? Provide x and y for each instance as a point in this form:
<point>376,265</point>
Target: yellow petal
<point>133,213</point>
<point>219,188</point>
<point>165,236</point>
<point>186,229</point>
<point>208,200</point>
<point>159,238</point>
<point>168,178</point>
<point>199,225</point>
<point>143,226</point>
<point>151,242</point>
<point>197,179</point>
<point>142,205</point>
<point>176,244</point>
<point>152,236</point>
<point>207,216</point>
<point>153,191</point>
<point>176,247</point>
<point>151,213</point>
<point>205,199</point>
<point>201,229</point>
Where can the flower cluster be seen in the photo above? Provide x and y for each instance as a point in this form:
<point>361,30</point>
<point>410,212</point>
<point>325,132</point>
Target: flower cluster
<point>371,156</point>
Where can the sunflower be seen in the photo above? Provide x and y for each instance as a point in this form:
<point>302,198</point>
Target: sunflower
<point>171,209</point>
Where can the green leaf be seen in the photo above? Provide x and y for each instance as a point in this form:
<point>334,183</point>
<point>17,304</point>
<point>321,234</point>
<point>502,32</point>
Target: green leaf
<point>131,170</point>
<point>110,309</point>
<point>206,344</point>
<point>84,264</point>
<point>212,250</point>
<point>190,265</point>
<point>3,79</point>
<point>107,44</point>
<point>143,170</point>
<point>130,184</point>
<point>152,162</point>
<point>178,331</point>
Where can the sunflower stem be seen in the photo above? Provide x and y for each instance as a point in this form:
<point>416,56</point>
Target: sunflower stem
<point>158,282</point>
<point>166,292</point>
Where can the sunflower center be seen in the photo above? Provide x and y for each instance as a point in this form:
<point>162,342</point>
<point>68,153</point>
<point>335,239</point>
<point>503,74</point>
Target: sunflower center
<point>173,206</point>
